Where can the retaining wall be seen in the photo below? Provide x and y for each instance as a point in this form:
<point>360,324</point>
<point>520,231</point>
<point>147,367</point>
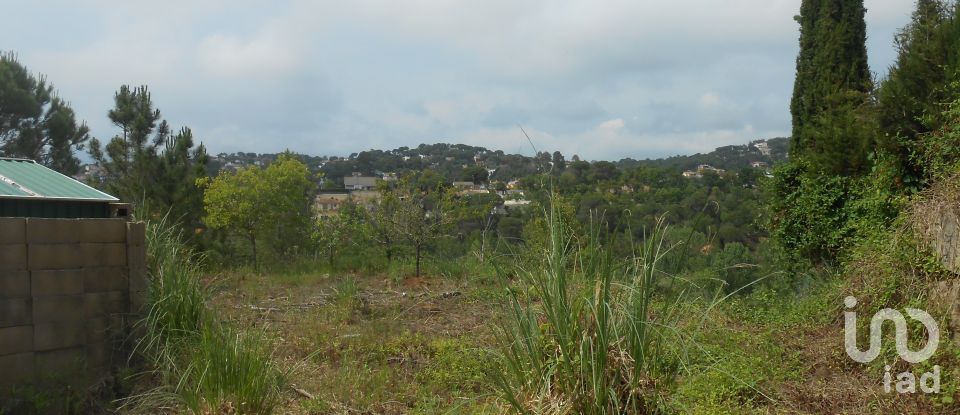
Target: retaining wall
<point>69,291</point>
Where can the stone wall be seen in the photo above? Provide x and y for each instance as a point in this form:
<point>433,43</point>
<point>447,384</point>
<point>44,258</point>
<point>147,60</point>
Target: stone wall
<point>69,290</point>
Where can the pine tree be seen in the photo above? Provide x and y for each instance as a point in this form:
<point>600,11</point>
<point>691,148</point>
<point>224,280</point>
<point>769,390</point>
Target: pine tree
<point>35,123</point>
<point>917,84</point>
<point>832,73</point>
<point>147,163</point>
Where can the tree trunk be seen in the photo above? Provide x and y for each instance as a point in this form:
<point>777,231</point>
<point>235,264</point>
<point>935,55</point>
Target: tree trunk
<point>389,248</point>
<point>418,260</point>
<point>253,243</point>
<point>330,257</point>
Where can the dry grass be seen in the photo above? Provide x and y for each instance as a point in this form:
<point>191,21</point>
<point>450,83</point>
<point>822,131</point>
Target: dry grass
<point>370,345</point>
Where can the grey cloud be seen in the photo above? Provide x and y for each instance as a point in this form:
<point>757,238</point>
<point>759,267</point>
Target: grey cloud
<point>604,80</point>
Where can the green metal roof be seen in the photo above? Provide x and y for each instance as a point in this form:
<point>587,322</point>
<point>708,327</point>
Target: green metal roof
<point>25,179</point>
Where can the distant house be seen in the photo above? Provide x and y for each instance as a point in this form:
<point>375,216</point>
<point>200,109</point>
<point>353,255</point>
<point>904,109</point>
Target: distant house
<point>691,174</point>
<point>758,165</point>
<point>705,168</point>
<point>327,204</point>
<point>509,204</point>
<point>465,188</point>
<point>358,182</point>
<point>763,148</point>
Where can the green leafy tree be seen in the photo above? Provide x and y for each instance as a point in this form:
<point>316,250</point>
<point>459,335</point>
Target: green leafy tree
<point>271,203</point>
<point>832,73</point>
<point>807,215</point>
<point>475,174</point>
<point>332,234</point>
<point>35,123</point>
<point>419,217</point>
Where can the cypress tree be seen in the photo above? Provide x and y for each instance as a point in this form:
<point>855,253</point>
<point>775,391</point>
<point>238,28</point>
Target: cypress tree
<point>832,86</point>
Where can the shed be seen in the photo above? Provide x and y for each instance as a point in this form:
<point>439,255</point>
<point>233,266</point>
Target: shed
<point>28,189</point>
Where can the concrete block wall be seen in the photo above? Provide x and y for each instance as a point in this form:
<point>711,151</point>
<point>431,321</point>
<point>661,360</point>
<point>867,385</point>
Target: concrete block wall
<point>69,291</point>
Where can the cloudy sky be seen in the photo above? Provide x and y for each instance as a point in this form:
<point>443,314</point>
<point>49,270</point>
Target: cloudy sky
<point>604,79</point>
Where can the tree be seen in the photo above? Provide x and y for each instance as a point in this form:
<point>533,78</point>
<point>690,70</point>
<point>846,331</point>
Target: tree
<point>928,55</point>
<point>832,72</point>
<point>271,203</point>
<point>559,164</point>
<point>148,163</point>
<point>475,175</point>
<point>332,233</point>
<point>418,217</point>
<point>35,123</point>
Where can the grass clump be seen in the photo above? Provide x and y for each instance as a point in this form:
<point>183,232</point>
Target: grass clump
<point>588,334</point>
<point>193,361</point>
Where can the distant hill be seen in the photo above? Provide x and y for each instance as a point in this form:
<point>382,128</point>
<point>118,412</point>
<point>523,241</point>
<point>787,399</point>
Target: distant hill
<point>456,161</point>
<point>771,151</point>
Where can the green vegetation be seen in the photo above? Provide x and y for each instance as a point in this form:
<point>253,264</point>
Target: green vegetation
<point>196,361</point>
<point>473,281</point>
<point>148,163</point>
<point>831,94</point>
<point>589,344</point>
<point>35,122</point>
<point>270,204</point>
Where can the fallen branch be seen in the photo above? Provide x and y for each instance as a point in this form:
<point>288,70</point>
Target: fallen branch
<point>302,392</point>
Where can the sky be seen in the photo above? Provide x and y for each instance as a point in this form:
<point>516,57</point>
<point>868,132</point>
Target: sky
<point>603,79</point>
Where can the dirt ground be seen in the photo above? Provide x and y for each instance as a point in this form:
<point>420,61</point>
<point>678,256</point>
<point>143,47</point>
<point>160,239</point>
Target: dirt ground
<point>370,345</point>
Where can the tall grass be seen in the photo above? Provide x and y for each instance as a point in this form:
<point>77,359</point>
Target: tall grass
<point>587,333</point>
<point>193,361</point>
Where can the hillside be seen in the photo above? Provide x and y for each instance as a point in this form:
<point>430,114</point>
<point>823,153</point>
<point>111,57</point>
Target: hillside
<point>459,161</point>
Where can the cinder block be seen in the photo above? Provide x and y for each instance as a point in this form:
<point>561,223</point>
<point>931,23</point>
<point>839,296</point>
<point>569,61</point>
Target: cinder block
<point>114,255</point>
<point>15,312</point>
<point>138,302</point>
<point>16,340</point>
<point>51,336</point>
<point>56,256</point>
<point>13,257</point>
<point>137,257</point>
<point>100,355</point>
<point>104,304</point>
<point>13,231</point>
<point>103,255</point>
<point>100,279</point>
<point>138,280</point>
<point>104,329</point>
<point>57,282</point>
<point>58,308</point>
<point>53,231</point>
<point>136,233</point>
<point>17,368</point>
<point>14,284</point>
<point>62,364</point>
<point>103,230</point>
